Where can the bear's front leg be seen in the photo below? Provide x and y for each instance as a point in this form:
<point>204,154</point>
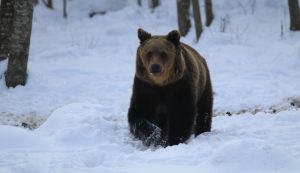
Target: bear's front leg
<point>140,126</point>
<point>180,124</point>
<point>146,131</point>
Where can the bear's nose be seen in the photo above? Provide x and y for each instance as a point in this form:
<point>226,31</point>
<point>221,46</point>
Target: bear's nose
<point>155,68</point>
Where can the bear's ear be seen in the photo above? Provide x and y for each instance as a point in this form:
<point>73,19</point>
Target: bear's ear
<point>174,37</point>
<point>143,35</point>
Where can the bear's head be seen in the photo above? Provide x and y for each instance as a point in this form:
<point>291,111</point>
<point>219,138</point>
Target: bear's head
<point>159,58</point>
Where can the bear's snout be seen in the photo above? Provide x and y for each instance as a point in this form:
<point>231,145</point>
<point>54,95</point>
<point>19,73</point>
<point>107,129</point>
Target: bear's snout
<point>155,68</point>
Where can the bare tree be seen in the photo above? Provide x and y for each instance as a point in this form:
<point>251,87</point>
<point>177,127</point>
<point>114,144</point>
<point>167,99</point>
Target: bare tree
<point>19,43</point>
<point>294,15</point>
<point>48,3</point>
<point>208,12</point>
<point>65,8</point>
<point>6,19</point>
<point>184,23</point>
<point>197,18</point>
<point>154,3</point>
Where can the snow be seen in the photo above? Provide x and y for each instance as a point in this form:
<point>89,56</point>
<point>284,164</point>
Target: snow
<point>80,73</point>
<point>84,137</point>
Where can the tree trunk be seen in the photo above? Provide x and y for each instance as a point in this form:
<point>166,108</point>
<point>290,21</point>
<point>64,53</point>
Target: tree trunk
<point>35,2</point>
<point>183,13</point>
<point>197,18</point>
<point>6,19</point>
<point>139,2</point>
<point>65,8</point>
<point>294,15</point>
<point>154,3</point>
<point>208,12</point>
<point>19,43</point>
<point>48,3</point>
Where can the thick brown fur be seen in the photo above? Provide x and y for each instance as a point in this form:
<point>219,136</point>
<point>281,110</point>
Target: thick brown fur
<point>166,108</point>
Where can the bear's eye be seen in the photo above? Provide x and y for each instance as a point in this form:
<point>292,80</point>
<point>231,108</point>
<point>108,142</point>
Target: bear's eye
<point>163,55</point>
<point>149,55</point>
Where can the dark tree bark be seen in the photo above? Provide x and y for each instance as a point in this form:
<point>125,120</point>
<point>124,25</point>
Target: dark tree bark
<point>65,8</point>
<point>35,2</point>
<point>184,23</point>
<point>6,19</point>
<point>139,2</point>
<point>208,12</point>
<point>294,15</point>
<point>197,18</point>
<point>19,43</point>
<point>48,3</point>
<point>154,3</point>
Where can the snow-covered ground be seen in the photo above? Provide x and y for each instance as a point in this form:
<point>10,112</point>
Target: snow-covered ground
<point>80,80</point>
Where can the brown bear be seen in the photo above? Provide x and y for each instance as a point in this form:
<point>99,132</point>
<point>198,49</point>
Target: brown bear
<point>172,94</point>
